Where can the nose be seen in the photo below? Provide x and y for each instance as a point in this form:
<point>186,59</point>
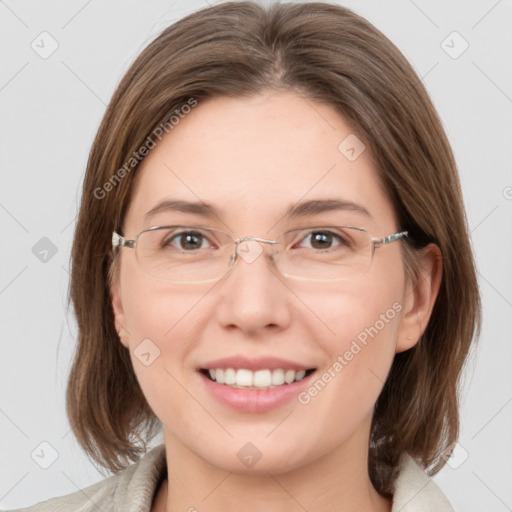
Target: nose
<point>253,297</point>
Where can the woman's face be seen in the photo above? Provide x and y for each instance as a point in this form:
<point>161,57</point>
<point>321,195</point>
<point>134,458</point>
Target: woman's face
<point>251,159</point>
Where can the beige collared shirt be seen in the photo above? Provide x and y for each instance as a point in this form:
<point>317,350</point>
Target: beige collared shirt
<point>133,490</point>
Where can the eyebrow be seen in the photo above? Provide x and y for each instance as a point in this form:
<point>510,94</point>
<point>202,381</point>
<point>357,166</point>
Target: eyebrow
<point>300,210</point>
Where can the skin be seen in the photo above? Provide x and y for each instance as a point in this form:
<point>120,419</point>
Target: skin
<point>252,158</point>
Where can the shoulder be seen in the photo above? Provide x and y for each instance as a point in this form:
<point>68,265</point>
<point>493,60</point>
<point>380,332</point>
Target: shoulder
<point>132,489</point>
<point>415,491</point>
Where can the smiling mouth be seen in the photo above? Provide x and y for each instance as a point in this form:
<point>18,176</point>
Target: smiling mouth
<point>261,379</point>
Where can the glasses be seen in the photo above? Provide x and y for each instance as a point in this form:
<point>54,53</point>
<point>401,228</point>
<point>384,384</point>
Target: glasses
<point>194,254</point>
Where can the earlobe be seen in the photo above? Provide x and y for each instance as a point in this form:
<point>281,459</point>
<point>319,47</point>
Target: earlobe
<point>117,307</point>
<point>419,298</point>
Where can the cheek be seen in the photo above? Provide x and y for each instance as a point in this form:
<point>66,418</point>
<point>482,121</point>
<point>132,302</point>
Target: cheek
<point>162,325</point>
<point>359,341</point>
<point>161,337</point>
<point>154,310</point>
<point>356,310</point>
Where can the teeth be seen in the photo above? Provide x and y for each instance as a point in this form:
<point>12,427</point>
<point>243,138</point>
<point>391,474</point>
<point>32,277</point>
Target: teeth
<point>244,378</point>
<point>289,376</point>
<point>277,377</point>
<point>300,374</point>
<point>260,379</point>
<point>230,376</point>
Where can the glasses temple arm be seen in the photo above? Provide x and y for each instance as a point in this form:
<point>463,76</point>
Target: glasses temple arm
<point>390,238</point>
<point>119,241</point>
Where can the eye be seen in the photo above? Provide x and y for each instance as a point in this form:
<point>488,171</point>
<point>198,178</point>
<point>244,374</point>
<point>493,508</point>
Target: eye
<point>324,239</point>
<point>186,240</point>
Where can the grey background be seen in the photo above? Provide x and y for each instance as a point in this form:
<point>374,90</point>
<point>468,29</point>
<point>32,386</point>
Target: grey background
<point>51,108</point>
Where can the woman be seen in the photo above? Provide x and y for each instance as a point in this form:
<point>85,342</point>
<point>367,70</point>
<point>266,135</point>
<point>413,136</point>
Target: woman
<point>270,262</point>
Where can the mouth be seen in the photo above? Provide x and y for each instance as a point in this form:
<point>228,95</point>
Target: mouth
<point>262,379</point>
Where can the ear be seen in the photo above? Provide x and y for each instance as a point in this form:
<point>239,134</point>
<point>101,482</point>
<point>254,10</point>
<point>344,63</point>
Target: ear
<point>419,297</point>
<point>117,306</point>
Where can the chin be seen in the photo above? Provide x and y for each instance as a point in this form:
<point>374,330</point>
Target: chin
<point>254,458</point>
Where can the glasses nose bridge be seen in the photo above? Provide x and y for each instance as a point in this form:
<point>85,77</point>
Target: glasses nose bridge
<point>255,238</point>
<point>248,254</point>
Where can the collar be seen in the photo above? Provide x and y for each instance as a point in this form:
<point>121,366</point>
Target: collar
<point>414,490</point>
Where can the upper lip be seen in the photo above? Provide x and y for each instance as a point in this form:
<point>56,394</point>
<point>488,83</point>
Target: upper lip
<point>253,364</point>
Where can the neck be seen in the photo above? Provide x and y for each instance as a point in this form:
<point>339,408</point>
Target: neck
<point>337,481</point>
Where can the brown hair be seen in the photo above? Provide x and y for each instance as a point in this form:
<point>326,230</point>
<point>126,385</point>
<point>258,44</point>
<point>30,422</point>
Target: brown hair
<point>333,56</point>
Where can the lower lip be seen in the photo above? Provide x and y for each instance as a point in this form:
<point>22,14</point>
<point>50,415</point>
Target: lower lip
<point>255,400</point>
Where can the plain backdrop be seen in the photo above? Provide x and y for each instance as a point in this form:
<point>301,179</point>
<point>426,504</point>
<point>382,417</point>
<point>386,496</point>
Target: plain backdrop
<point>60,64</point>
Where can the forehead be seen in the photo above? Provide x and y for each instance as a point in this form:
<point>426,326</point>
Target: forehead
<point>253,158</point>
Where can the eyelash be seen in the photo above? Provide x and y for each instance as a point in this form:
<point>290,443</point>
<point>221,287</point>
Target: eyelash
<point>341,240</point>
